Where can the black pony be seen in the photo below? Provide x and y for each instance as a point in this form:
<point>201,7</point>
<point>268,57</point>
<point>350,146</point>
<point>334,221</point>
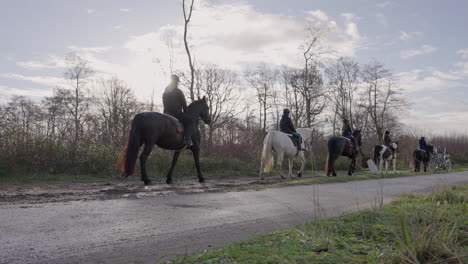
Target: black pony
<point>423,156</point>
<point>164,131</point>
<point>342,146</point>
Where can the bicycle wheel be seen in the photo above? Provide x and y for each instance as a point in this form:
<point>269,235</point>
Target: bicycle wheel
<point>433,165</point>
<point>448,165</point>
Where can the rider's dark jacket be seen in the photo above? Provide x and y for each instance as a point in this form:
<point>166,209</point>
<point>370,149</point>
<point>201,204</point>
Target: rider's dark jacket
<point>346,130</point>
<point>422,144</point>
<point>387,140</point>
<point>174,101</point>
<point>286,125</point>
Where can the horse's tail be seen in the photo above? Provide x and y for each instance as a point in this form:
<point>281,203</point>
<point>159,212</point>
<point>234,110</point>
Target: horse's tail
<point>129,155</point>
<point>267,153</point>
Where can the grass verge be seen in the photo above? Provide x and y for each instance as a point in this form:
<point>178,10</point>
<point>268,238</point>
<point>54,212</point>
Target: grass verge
<point>415,228</point>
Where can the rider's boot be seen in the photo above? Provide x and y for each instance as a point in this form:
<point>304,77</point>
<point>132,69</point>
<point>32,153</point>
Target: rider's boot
<point>188,142</point>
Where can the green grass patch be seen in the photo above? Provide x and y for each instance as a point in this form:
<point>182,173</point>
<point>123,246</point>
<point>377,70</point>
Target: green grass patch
<point>416,228</point>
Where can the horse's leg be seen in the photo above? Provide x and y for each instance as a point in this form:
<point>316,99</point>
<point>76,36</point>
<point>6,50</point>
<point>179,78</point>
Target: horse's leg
<point>394,165</point>
<point>333,166</point>
<point>386,166</point>
<point>351,167</point>
<point>301,156</point>
<point>196,158</point>
<point>143,158</point>
<point>279,163</point>
<point>174,162</point>
<point>290,165</point>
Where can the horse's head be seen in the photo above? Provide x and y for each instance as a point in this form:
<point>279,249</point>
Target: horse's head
<point>358,136</point>
<point>205,111</point>
<point>395,146</point>
<point>199,109</point>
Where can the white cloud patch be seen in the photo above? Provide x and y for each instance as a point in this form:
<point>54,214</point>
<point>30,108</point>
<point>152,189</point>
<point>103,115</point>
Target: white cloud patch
<point>319,14</point>
<point>42,80</point>
<point>410,35</point>
<point>425,49</point>
<point>91,11</point>
<point>99,49</point>
<point>117,27</point>
<point>463,53</point>
<point>427,80</point>
<point>52,62</point>
<point>36,93</point>
<point>125,10</point>
<point>382,19</point>
<point>384,4</point>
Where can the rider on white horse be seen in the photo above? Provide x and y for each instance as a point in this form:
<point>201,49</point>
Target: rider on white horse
<point>287,126</point>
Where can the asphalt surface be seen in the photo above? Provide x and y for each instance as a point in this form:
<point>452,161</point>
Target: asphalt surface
<point>154,228</point>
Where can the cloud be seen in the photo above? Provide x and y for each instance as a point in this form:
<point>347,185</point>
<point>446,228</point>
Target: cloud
<point>125,10</point>
<point>428,80</point>
<point>319,14</point>
<point>36,93</point>
<point>52,62</point>
<point>382,19</point>
<point>463,53</point>
<point>91,11</point>
<point>384,4</point>
<point>42,80</point>
<point>117,27</point>
<point>425,49</point>
<point>410,35</point>
<point>98,49</point>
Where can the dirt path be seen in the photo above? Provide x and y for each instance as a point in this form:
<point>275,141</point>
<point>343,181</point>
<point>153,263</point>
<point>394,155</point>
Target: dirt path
<point>157,227</point>
<point>66,192</point>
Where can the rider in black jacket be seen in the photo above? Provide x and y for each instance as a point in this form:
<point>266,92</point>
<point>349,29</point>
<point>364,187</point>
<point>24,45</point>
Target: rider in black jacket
<point>175,105</point>
<point>287,126</point>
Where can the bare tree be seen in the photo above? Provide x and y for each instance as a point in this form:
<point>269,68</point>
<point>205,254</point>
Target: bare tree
<point>343,79</point>
<point>116,105</point>
<point>76,72</point>
<point>309,82</point>
<point>381,99</point>
<point>263,79</point>
<point>219,87</point>
<point>187,17</point>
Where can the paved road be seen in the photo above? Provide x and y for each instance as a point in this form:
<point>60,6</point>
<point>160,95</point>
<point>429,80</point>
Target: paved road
<point>148,229</point>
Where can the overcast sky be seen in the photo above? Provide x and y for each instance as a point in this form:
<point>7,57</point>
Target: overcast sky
<point>424,43</point>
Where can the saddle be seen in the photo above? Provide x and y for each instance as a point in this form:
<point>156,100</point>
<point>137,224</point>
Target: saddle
<point>177,124</point>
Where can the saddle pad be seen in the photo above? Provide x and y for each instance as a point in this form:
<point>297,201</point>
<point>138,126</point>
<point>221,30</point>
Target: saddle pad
<point>176,122</point>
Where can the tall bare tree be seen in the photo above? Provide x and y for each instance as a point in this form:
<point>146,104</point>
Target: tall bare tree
<point>309,82</point>
<point>382,100</point>
<point>343,79</point>
<point>77,71</point>
<point>263,79</point>
<point>188,10</point>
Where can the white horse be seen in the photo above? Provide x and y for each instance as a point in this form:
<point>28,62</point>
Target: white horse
<point>383,154</point>
<point>279,145</point>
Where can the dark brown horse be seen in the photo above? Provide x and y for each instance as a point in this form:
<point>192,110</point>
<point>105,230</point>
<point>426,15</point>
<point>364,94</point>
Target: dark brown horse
<point>164,131</point>
<point>423,156</point>
<point>342,146</point>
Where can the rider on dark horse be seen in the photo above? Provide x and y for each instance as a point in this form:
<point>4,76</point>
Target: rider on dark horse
<point>176,106</point>
<point>422,144</point>
<point>347,131</point>
<point>287,126</point>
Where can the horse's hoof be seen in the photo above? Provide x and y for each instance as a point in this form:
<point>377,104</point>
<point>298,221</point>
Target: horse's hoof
<point>123,176</point>
<point>147,182</point>
<point>169,181</point>
<point>201,180</point>
<point>299,175</point>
